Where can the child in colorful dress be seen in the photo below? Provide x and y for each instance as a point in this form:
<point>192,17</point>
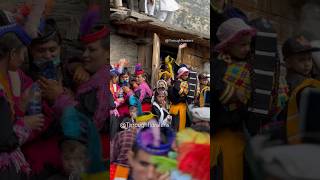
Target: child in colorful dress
<point>178,97</point>
<point>143,92</point>
<point>231,93</point>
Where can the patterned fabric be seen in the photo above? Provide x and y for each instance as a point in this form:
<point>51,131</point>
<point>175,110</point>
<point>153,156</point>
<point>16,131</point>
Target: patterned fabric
<point>16,157</point>
<point>202,96</point>
<point>121,144</point>
<point>184,88</point>
<point>237,77</point>
<point>145,91</point>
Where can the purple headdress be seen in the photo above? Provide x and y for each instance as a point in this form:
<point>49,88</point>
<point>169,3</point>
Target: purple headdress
<point>138,69</point>
<point>149,139</point>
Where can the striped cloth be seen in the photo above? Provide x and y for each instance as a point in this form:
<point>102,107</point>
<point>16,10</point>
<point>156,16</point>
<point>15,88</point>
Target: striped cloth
<point>121,144</point>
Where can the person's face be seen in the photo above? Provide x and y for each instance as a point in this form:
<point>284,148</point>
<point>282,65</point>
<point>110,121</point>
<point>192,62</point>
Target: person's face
<point>241,48</point>
<point>139,79</point>
<point>161,98</point>
<point>46,51</point>
<point>204,81</point>
<point>74,162</point>
<point>17,58</point>
<point>185,76</point>
<point>124,78</point>
<point>114,79</point>
<point>125,89</point>
<point>141,166</point>
<point>300,63</point>
<point>94,56</point>
<point>135,85</point>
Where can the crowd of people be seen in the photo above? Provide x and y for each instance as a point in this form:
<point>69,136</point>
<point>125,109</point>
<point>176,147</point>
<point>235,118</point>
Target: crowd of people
<point>53,111</point>
<point>155,128</point>
<point>61,117</point>
<point>235,53</point>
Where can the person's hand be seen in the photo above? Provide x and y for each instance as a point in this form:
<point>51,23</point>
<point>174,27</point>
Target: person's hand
<point>123,62</point>
<point>81,75</point>
<point>183,45</point>
<point>34,122</point>
<point>165,176</point>
<point>51,89</point>
<point>169,119</point>
<point>115,113</point>
<point>163,104</point>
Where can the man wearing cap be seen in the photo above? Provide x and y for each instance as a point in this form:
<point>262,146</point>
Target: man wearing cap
<point>203,91</point>
<point>201,119</point>
<point>150,141</point>
<point>45,51</point>
<point>297,55</point>
<point>178,96</point>
<point>123,140</point>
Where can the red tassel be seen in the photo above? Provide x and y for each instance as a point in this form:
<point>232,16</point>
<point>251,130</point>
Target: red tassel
<point>194,159</point>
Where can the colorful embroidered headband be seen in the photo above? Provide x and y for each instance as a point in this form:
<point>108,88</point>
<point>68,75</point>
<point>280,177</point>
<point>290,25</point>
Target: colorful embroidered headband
<point>92,37</point>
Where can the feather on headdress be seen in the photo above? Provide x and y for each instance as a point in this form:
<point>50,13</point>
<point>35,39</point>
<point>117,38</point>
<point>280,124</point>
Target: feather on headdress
<point>33,20</point>
<point>194,159</point>
<point>90,19</point>
<point>164,164</point>
<point>138,69</point>
<point>89,22</point>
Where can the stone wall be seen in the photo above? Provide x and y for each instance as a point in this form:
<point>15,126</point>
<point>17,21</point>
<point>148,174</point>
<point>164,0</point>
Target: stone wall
<point>123,47</point>
<point>193,14</point>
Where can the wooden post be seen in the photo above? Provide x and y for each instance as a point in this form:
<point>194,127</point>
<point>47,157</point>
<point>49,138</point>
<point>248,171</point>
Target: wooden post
<point>155,59</point>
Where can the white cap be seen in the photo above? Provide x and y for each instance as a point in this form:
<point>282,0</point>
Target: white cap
<point>201,113</point>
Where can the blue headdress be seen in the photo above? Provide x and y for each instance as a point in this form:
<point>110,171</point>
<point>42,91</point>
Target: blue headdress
<point>11,26</point>
<point>146,140</point>
<point>77,126</point>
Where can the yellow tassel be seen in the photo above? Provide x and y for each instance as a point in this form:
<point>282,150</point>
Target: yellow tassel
<point>168,61</point>
<point>144,118</point>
